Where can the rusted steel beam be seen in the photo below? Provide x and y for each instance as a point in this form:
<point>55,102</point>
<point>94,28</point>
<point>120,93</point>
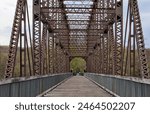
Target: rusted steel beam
<point>63,29</point>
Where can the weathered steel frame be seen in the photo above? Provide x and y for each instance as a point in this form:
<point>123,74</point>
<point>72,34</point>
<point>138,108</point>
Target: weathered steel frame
<point>63,29</point>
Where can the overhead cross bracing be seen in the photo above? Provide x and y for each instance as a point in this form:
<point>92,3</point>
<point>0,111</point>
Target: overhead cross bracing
<point>87,23</point>
<point>91,29</point>
<point>82,22</point>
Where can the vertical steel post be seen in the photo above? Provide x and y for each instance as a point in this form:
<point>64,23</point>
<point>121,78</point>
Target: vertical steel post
<point>37,37</point>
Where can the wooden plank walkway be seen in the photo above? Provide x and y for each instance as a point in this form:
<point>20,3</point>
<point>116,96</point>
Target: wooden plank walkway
<point>78,86</point>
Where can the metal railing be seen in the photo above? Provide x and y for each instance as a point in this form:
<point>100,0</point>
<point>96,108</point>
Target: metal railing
<point>122,86</point>
<point>30,87</point>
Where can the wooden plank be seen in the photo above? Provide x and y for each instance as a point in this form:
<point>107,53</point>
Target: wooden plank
<point>78,86</point>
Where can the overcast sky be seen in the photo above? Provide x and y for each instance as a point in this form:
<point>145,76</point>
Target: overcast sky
<point>7,9</point>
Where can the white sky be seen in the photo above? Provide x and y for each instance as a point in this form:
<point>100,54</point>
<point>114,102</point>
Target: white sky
<point>7,10</point>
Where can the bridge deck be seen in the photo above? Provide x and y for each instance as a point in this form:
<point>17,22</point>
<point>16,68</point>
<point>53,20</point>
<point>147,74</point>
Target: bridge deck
<point>78,86</point>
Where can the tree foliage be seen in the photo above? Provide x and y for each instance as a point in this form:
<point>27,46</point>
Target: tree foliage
<point>78,65</point>
<point>3,59</point>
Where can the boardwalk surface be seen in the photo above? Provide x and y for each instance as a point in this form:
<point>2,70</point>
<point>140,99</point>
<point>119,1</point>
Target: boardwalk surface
<point>78,86</point>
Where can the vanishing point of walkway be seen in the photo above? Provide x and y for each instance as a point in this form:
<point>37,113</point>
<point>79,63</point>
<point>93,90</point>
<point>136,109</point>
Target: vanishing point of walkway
<point>78,86</point>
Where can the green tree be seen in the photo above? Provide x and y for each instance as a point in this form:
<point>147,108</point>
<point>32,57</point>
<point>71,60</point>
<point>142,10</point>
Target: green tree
<point>3,59</point>
<point>78,65</point>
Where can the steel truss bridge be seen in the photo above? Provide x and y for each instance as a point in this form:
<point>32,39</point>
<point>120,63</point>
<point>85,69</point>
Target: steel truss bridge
<point>61,30</point>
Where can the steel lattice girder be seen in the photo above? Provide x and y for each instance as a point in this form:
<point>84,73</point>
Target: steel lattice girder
<point>63,29</point>
<point>14,39</point>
